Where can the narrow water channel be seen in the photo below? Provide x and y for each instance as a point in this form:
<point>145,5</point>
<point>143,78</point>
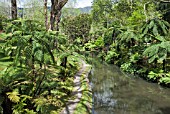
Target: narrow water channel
<point>116,93</point>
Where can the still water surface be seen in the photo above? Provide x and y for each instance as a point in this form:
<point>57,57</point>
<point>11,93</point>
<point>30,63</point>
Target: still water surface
<point>117,93</point>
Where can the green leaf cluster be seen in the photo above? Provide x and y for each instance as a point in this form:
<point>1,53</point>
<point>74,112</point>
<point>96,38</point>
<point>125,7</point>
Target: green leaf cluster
<point>41,74</point>
<point>77,27</point>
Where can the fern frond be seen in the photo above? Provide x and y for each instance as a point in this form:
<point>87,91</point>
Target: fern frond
<point>151,51</point>
<point>165,80</point>
<point>13,96</point>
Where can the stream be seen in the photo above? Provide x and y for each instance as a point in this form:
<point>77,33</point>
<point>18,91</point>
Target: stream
<point>117,93</point>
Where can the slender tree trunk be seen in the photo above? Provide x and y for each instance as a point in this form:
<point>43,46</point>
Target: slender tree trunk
<point>14,9</point>
<point>52,16</point>
<point>46,14</point>
<point>58,20</point>
<point>52,20</point>
<point>56,6</point>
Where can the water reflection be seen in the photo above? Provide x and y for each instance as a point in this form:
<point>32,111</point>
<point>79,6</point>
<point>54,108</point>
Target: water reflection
<point>115,93</point>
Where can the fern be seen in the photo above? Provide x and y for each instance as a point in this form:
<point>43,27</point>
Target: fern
<point>157,51</point>
<point>14,96</point>
<point>36,77</point>
<point>127,37</point>
<point>155,29</point>
<point>165,80</point>
<point>152,75</point>
<point>110,55</point>
<point>151,51</point>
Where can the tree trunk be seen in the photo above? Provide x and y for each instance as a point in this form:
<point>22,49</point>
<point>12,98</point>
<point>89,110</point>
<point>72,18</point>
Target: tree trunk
<point>58,20</point>
<point>56,6</point>
<point>46,14</point>
<point>52,16</point>
<point>14,9</point>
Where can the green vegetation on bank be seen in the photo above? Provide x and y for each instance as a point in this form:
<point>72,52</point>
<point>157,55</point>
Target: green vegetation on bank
<point>135,35</point>
<point>37,75</point>
<point>39,54</point>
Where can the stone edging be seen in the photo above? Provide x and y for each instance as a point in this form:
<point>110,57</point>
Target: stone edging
<point>78,89</point>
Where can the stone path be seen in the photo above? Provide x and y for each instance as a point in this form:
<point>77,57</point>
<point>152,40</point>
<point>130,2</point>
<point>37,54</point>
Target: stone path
<point>77,92</point>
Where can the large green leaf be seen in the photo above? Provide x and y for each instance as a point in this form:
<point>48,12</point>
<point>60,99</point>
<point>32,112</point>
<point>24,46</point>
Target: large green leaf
<point>166,23</point>
<point>162,26</point>
<point>155,30</point>
<point>39,55</point>
<point>151,24</point>
<point>151,59</point>
<point>165,45</point>
<point>165,80</point>
<point>146,30</point>
<point>160,38</point>
<point>16,33</point>
<point>151,51</point>
<point>162,55</point>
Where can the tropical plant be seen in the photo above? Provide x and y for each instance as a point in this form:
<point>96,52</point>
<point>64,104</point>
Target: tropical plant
<point>77,27</point>
<point>154,29</point>
<point>159,76</point>
<point>128,37</point>
<point>34,73</point>
<point>101,9</point>
<point>111,56</point>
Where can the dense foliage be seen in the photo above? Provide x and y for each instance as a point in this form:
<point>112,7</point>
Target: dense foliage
<point>38,65</point>
<point>135,36</point>
<point>37,78</point>
<point>72,27</point>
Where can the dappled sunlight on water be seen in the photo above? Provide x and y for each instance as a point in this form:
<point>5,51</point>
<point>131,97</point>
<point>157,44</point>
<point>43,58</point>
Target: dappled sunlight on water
<point>116,93</point>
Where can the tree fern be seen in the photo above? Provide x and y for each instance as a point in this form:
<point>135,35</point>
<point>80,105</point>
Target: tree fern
<point>154,29</point>
<point>157,51</point>
<point>128,37</point>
